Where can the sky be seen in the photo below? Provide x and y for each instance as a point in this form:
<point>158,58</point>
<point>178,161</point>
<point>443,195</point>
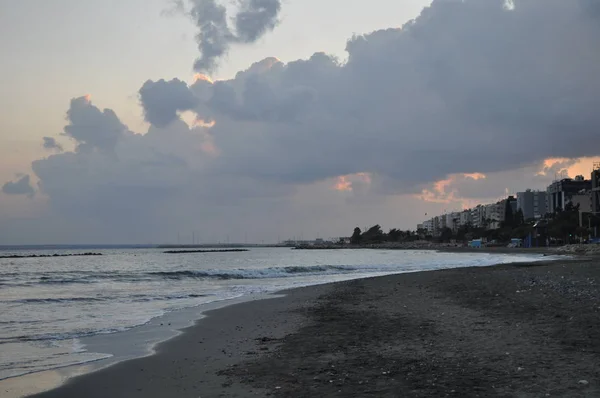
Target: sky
<point>143,120</point>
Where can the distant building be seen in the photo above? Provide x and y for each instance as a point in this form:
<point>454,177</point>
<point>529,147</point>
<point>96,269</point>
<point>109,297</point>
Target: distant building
<point>583,200</point>
<point>533,204</point>
<point>428,226</point>
<point>478,216</point>
<point>453,221</point>
<point>512,203</point>
<point>442,222</point>
<point>495,214</point>
<point>465,218</point>
<point>596,191</point>
<point>436,226</point>
<point>561,192</point>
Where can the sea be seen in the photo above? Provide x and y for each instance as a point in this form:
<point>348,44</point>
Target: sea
<point>50,306</point>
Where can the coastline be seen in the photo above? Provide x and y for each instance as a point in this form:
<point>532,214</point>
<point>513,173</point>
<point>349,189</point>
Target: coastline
<point>237,350</point>
<point>215,342</point>
<point>441,247</point>
<point>135,341</point>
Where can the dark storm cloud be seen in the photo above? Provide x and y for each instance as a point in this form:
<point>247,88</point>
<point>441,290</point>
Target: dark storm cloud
<point>50,143</point>
<point>253,19</point>
<point>20,187</point>
<point>162,100</point>
<point>469,86</point>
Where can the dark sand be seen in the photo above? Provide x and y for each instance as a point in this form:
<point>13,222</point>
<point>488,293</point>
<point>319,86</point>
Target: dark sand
<point>503,331</point>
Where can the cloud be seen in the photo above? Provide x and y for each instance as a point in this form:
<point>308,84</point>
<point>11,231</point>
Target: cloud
<point>162,100</point>
<point>458,90</point>
<point>255,18</point>
<point>50,143</point>
<point>469,89</point>
<point>355,183</point>
<point>252,20</point>
<point>92,128</point>
<point>20,187</point>
<point>465,190</point>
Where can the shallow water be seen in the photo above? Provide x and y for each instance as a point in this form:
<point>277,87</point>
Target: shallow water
<point>48,304</point>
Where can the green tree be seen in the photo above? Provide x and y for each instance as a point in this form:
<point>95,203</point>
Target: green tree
<point>446,235</point>
<point>356,237</point>
<point>509,216</point>
<point>564,224</point>
<point>519,218</point>
<point>395,235</point>
<point>374,235</point>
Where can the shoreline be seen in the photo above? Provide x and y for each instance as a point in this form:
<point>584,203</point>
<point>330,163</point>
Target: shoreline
<point>195,318</point>
<point>136,343</point>
<point>426,246</point>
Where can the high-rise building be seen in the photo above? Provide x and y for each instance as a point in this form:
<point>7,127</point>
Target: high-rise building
<point>478,216</point>
<point>561,192</point>
<point>465,218</point>
<point>596,190</point>
<point>533,204</point>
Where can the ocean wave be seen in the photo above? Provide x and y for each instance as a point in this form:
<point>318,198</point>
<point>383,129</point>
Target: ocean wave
<point>93,277</point>
<point>146,298</point>
<point>74,277</point>
<point>59,300</point>
<point>265,273</point>
<point>60,336</point>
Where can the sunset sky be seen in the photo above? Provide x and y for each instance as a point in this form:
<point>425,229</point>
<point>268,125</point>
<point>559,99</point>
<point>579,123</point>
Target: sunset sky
<point>119,123</point>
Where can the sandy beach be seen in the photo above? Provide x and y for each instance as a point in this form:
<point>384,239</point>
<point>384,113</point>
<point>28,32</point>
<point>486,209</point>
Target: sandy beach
<point>526,330</point>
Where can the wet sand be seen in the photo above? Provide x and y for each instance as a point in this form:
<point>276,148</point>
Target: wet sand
<point>503,331</point>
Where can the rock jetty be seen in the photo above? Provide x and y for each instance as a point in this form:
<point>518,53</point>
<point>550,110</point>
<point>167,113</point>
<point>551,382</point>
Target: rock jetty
<point>51,255</point>
<point>591,249</point>
<point>205,251</point>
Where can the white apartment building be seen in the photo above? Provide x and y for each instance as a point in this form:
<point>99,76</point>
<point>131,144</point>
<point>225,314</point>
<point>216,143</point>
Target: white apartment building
<point>453,221</point>
<point>465,217</point>
<point>478,216</point>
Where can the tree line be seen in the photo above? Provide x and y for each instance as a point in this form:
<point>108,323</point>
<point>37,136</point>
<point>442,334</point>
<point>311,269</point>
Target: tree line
<point>560,227</point>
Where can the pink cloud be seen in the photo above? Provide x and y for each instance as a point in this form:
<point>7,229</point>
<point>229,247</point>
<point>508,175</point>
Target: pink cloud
<point>346,183</point>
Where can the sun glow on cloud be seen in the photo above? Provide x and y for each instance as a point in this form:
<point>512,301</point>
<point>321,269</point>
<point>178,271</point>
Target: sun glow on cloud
<point>564,167</point>
<point>202,76</point>
<point>342,184</point>
<point>442,193</point>
<point>345,183</point>
<point>475,176</point>
<point>439,194</point>
<point>204,123</point>
<point>548,163</point>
